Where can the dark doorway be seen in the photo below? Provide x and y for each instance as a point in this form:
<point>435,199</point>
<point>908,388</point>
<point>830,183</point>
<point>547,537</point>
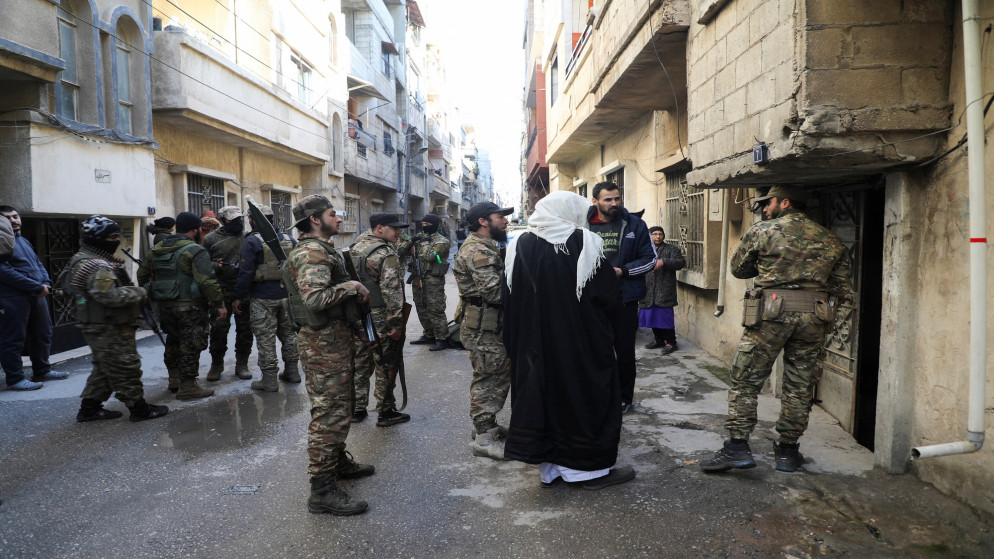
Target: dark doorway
<point>56,241</point>
<point>870,280</point>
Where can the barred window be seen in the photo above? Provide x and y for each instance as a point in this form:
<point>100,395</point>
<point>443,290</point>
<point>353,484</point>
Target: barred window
<point>360,149</point>
<point>686,216</point>
<point>204,193</point>
<point>618,178</point>
<point>282,210</point>
<point>350,224</point>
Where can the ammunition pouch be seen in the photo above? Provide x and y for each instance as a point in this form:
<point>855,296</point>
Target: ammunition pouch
<point>825,309</point>
<point>300,315</point>
<point>91,312</point>
<point>752,315</point>
<point>482,316</point>
<point>269,270</point>
<point>169,283</point>
<point>438,269</point>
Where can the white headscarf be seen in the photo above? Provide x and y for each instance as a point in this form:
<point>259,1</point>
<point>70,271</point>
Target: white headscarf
<point>556,217</point>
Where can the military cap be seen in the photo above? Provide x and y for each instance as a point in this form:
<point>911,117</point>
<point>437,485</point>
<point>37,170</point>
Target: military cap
<point>388,220</point>
<point>229,213</point>
<point>311,205</point>
<point>266,210</point>
<point>784,192</point>
<point>484,209</point>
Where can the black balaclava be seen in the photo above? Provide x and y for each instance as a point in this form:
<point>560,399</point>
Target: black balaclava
<point>434,221</point>
<point>234,227</point>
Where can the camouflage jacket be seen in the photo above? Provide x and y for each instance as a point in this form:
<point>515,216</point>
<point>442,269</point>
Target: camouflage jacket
<point>194,262</point>
<point>383,267</point>
<point>434,249</point>
<point>227,248</point>
<point>479,269</point>
<point>100,279</point>
<point>318,269</point>
<point>793,252</point>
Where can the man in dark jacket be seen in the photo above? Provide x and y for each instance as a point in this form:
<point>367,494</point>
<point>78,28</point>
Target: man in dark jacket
<point>656,308</point>
<point>24,286</point>
<point>628,248</point>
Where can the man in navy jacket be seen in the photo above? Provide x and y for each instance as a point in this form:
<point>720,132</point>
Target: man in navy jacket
<point>24,284</point>
<point>628,247</point>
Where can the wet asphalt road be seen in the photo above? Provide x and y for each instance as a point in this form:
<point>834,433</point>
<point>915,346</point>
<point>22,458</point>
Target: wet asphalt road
<point>162,488</point>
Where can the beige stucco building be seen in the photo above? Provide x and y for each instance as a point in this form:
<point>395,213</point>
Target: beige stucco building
<point>690,105</point>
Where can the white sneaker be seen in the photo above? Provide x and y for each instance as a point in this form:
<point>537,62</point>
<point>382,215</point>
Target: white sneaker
<point>489,445</point>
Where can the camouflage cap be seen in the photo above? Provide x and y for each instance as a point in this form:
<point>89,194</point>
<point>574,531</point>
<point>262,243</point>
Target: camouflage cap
<point>228,213</point>
<point>266,210</point>
<point>313,204</point>
<point>784,192</point>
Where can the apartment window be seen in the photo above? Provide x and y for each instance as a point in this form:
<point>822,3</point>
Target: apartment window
<point>124,103</point>
<point>303,79</point>
<point>350,25</point>
<point>581,190</point>
<point>686,218</point>
<point>282,209</point>
<point>388,143</point>
<point>360,149</point>
<point>204,193</point>
<point>386,64</point>
<point>554,81</point>
<point>69,94</point>
<point>350,223</point>
<point>618,178</point>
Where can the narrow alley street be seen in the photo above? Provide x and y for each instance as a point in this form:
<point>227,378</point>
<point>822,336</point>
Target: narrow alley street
<point>226,477</point>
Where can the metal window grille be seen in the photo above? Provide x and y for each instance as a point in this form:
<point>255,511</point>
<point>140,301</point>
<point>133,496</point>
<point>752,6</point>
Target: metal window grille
<point>360,149</point>
<point>282,210</point>
<point>686,216</point>
<point>204,193</point>
<point>350,224</point>
<point>388,143</point>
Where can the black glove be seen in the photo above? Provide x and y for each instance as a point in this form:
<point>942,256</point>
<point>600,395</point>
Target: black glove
<point>420,238</point>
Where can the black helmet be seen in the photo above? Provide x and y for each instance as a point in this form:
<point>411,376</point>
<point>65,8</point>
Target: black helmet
<point>98,228</point>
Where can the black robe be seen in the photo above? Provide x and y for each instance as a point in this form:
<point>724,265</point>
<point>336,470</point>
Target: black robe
<point>565,396</point>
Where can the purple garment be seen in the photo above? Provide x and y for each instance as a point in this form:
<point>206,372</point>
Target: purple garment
<point>657,317</point>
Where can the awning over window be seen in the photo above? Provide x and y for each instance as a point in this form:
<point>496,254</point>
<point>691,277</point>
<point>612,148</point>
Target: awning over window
<point>414,14</point>
<point>389,47</point>
<point>362,88</point>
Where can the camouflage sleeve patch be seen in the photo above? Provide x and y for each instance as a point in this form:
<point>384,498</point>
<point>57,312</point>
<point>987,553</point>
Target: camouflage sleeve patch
<point>481,260</point>
<point>317,257</point>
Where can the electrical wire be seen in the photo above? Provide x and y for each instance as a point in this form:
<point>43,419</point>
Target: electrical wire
<point>676,101</point>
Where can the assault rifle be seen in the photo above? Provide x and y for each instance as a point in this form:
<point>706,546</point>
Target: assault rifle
<point>372,336</point>
<point>265,229</point>
<point>147,313</point>
<point>418,271</point>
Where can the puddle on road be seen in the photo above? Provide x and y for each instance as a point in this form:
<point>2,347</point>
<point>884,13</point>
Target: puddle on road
<point>230,422</point>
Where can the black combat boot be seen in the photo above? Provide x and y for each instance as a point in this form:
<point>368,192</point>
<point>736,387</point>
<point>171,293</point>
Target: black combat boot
<point>391,417</point>
<point>788,457</point>
<point>142,410</point>
<point>423,340</point>
<point>359,415</point>
<point>439,345</point>
<point>347,467</point>
<point>93,410</point>
<point>241,367</point>
<point>732,455</point>
<point>327,497</point>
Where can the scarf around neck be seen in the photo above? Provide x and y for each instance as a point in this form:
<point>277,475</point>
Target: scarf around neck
<point>555,219</point>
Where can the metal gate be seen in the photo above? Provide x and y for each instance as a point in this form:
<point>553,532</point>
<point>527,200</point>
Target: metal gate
<point>57,242</point>
<point>204,193</point>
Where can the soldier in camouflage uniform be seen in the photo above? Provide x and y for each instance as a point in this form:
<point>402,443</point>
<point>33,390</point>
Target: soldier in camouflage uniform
<point>379,269</point>
<point>107,304</point>
<point>259,278</point>
<point>225,246</point>
<point>803,271</point>
<point>180,278</point>
<point>322,299</point>
<point>478,270</point>
<point>431,249</point>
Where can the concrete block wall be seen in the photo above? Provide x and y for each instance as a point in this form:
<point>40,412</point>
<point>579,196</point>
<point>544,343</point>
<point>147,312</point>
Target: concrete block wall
<point>741,78</point>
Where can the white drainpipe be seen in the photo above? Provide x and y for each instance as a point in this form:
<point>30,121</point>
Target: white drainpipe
<point>978,244</point>
<point>723,267</point>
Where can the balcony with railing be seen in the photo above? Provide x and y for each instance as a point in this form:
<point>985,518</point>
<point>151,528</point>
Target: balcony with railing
<point>615,74</point>
<point>368,160</point>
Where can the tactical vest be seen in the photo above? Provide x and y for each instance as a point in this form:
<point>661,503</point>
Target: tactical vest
<point>88,310</point>
<point>169,283</point>
<point>269,270</point>
<point>360,258</point>
<point>299,313</point>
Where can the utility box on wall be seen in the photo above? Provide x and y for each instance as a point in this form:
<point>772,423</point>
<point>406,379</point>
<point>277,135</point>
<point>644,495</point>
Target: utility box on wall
<point>716,208</point>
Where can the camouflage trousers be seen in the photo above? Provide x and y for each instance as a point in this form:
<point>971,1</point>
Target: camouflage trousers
<point>431,311</point>
<point>117,368</point>
<point>220,329</point>
<point>366,362</point>
<point>271,320</point>
<point>186,330</point>
<point>800,335</point>
<point>327,358</point>
<point>491,376</point>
